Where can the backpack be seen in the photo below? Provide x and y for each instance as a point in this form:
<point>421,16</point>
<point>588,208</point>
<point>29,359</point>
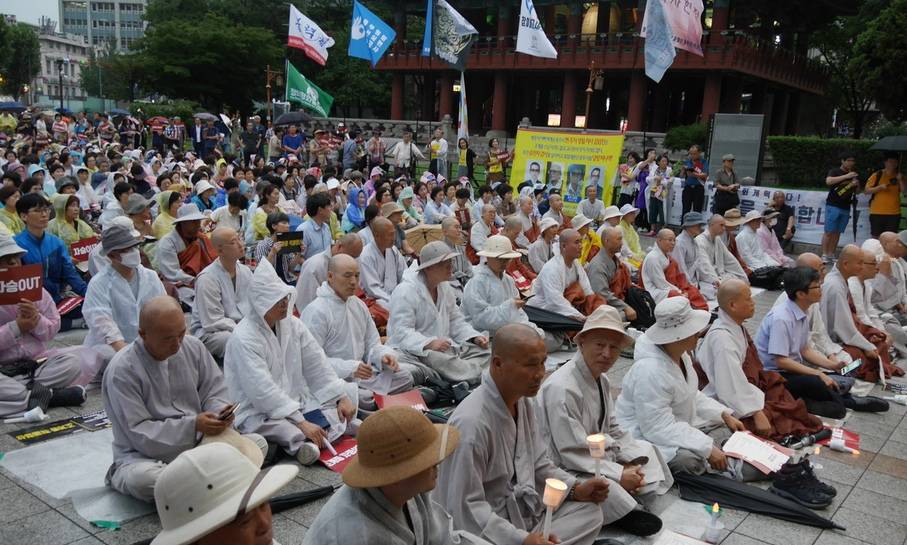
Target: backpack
<point>641,301</point>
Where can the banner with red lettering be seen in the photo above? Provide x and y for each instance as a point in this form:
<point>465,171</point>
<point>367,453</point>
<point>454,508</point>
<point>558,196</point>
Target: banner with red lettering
<point>345,449</point>
<point>685,20</point>
<point>81,249</point>
<point>17,283</point>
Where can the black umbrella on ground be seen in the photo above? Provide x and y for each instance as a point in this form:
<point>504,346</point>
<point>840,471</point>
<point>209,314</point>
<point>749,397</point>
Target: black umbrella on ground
<point>551,321</point>
<point>709,489</point>
<point>15,107</point>
<point>293,118</point>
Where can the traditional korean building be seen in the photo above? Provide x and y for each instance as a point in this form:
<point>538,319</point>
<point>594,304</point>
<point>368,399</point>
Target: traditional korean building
<point>756,60</point>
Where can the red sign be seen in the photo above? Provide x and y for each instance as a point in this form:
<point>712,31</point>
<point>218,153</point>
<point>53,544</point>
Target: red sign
<point>82,249</point>
<point>345,448</point>
<point>17,283</point>
<point>850,439</point>
<point>68,303</point>
<point>412,398</point>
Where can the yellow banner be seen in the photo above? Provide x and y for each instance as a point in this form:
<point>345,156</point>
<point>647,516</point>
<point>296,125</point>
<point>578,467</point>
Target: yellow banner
<point>568,161</point>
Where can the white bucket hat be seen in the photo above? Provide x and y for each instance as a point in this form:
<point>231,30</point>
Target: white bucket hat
<point>188,212</point>
<point>605,318</point>
<point>434,253</point>
<point>8,246</point>
<point>547,223</point>
<point>498,246</point>
<point>207,487</point>
<point>202,186</point>
<point>579,221</point>
<point>675,319</point>
<point>628,209</point>
<point>611,212</point>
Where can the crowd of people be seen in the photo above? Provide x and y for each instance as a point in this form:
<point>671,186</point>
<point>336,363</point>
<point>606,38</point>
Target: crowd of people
<point>239,311</point>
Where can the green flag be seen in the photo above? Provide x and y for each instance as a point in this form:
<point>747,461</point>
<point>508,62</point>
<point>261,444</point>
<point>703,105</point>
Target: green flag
<point>307,94</point>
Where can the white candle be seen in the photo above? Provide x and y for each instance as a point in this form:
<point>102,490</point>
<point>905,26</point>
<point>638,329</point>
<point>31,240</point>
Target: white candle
<point>555,490</point>
<point>596,444</point>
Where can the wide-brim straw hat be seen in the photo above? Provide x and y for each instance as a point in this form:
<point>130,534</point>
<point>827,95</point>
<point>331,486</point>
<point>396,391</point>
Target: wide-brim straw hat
<point>676,320</point>
<point>498,246</point>
<point>396,443</point>
<point>605,318</point>
<point>434,253</point>
<point>733,218</point>
<point>752,215</point>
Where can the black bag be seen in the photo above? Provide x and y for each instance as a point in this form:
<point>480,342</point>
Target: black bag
<point>25,366</point>
<point>641,301</point>
<point>767,277</point>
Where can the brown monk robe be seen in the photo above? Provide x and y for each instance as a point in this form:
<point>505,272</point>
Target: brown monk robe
<point>870,370</point>
<point>679,285</point>
<point>378,313</point>
<point>586,304</point>
<point>198,254</point>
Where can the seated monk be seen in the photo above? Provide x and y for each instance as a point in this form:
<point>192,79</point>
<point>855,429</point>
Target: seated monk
<point>563,287</point>
<point>480,231</point>
<point>736,377</point>
<point>610,278</point>
<point>542,249</point>
<point>690,259</point>
<point>382,266</point>
<point>518,269</point>
<point>765,277</point>
<point>556,212</point>
<point>184,252</point>
<point>341,325</point>
<point>163,392</point>
<point>859,340</point>
<point>783,346</point>
<point>315,269</point>
<point>717,263</point>
<point>529,226</point>
<point>661,275</point>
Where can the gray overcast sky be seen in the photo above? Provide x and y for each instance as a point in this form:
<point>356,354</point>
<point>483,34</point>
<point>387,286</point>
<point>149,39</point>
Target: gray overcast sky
<point>30,11</point>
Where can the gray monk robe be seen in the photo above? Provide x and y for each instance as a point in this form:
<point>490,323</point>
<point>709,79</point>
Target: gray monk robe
<point>493,482</point>
<point>364,516</point>
<point>574,407</point>
<point>216,311</point>
<point>152,406</point>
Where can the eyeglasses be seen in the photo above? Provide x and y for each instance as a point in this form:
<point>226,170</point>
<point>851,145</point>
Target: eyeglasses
<point>40,210</point>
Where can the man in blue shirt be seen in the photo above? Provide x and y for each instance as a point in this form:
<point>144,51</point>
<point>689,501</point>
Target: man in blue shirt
<point>316,230</point>
<point>782,344</point>
<point>697,168</point>
<point>293,143</point>
<point>50,252</point>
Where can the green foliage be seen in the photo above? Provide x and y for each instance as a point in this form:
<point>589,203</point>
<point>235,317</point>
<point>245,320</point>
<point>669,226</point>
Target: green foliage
<point>682,137</point>
<point>883,128</point>
<point>881,50</point>
<point>805,161</point>
<point>113,74</point>
<point>185,109</point>
<point>20,58</point>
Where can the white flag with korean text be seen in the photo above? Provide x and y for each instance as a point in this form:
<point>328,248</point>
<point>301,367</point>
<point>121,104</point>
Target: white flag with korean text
<point>531,38</point>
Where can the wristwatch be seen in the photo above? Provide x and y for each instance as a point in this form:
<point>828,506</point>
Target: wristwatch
<point>571,494</point>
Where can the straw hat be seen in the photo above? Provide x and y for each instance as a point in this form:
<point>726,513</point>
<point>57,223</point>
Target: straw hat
<point>752,215</point>
<point>547,223</point>
<point>675,320</point>
<point>388,209</point>
<point>769,213</point>
<point>733,218</point>
<point>434,253</point>
<point>611,212</point>
<point>579,221</point>
<point>396,443</point>
<point>607,318</point>
<point>207,487</point>
<point>498,246</point>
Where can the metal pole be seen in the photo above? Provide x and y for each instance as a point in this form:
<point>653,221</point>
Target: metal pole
<point>268,89</point>
<point>60,71</point>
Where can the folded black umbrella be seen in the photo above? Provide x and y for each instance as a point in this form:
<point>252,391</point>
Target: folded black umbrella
<point>289,501</point>
<point>709,489</point>
<point>551,321</point>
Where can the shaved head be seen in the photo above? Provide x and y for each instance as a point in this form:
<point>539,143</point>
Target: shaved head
<point>850,262</point>
<point>810,260</point>
<point>517,362</point>
<point>729,291</point>
<point>162,327</point>
<point>612,238</point>
<point>851,252</point>
<point>449,222</point>
<point>513,226</point>
<point>665,234</point>
<point>350,244</point>
<point>568,235</point>
<point>158,310</point>
<point>511,339</point>
<point>221,235</point>
<point>341,261</point>
<point>892,244</point>
<point>383,230</point>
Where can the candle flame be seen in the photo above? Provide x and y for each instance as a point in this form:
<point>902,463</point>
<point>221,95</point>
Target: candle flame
<point>818,449</point>
<point>715,507</point>
<point>856,452</point>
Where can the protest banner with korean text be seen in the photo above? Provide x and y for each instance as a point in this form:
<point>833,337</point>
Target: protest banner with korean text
<point>81,250</point>
<point>568,161</point>
<point>17,283</point>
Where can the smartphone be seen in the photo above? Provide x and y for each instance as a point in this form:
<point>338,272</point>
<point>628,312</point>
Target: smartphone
<point>638,461</point>
<point>227,412</point>
<point>850,367</point>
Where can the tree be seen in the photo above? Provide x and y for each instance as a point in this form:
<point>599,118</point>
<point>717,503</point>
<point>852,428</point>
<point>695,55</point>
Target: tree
<point>209,59</point>
<point>22,60</point>
<point>881,51</point>
<point>113,74</point>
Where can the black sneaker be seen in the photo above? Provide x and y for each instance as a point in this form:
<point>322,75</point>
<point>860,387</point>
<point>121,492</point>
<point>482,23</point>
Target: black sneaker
<point>826,489</point>
<point>868,404</point>
<point>39,396</point>
<point>68,397</point>
<point>638,523</point>
<point>795,483</point>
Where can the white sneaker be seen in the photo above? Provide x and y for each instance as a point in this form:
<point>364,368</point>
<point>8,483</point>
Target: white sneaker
<point>308,454</point>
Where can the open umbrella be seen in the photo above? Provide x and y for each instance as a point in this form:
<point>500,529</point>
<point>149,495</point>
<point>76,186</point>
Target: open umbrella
<point>551,321</point>
<point>64,111</point>
<point>891,143</point>
<point>709,489</point>
<point>205,116</point>
<point>118,112</point>
<point>157,119</point>
<point>293,118</point>
<point>15,107</point>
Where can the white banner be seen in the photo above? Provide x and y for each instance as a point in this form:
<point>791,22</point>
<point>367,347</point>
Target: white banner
<point>685,18</point>
<point>531,38</point>
<point>306,35</point>
<point>809,210</point>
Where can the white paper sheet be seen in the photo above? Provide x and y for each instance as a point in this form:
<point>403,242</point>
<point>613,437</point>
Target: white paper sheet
<point>755,451</point>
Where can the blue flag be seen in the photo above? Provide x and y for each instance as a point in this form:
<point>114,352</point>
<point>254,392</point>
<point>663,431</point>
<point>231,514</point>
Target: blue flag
<point>370,36</point>
<point>659,46</point>
<point>426,38</point>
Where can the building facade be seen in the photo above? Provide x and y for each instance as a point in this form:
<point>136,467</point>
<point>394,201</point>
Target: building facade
<point>741,70</point>
<point>60,52</point>
<point>114,21</point>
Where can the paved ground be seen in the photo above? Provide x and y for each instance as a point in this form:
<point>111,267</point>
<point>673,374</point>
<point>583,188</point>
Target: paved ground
<point>871,501</point>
